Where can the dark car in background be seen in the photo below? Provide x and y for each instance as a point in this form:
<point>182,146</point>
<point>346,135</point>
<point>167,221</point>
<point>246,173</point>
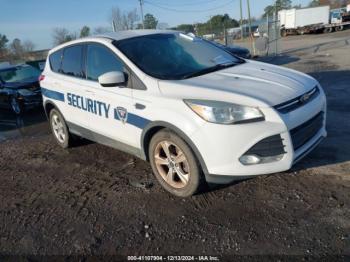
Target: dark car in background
<point>234,49</point>
<point>19,88</point>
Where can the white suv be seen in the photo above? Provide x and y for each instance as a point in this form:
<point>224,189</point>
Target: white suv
<point>194,111</point>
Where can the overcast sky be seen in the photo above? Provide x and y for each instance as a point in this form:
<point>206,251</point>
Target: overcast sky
<point>34,19</point>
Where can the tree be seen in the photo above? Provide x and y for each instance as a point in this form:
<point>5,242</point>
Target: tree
<point>28,46</point>
<point>3,42</point>
<point>279,5</point>
<point>62,35</point>
<point>123,20</point>
<point>101,30</point>
<point>150,21</point>
<point>16,48</point>
<point>85,31</point>
<point>215,25</point>
<point>218,22</point>
<point>314,3</point>
<point>139,26</point>
<point>187,28</point>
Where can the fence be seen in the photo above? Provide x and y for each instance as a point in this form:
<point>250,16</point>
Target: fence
<point>265,39</point>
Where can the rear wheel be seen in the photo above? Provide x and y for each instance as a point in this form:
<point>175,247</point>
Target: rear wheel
<point>59,128</point>
<point>339,28</point>
<point>174,164</point>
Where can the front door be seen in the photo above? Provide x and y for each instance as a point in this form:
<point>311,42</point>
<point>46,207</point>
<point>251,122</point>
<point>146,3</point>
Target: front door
<point>111,105</point>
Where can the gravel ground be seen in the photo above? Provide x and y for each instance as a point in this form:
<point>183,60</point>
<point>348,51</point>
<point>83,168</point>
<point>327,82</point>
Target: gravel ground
<point>94,200</point>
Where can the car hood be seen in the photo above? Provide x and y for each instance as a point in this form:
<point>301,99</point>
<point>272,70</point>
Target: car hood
<point>267,83</point>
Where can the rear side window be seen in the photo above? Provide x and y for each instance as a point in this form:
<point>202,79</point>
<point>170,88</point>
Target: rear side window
<point>55,60</point>
<point>72,61</point>
<point>101,60</point>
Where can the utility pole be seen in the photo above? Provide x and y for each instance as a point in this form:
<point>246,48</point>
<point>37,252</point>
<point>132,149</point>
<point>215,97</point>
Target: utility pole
<point>276,29</point>
<point>141,8</point>
<point>241,21</point>
<point>250,28</point>
<point>211,26</point>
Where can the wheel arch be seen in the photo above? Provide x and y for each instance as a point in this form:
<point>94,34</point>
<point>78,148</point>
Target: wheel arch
<point>48,106</point>
<point>153,127</point>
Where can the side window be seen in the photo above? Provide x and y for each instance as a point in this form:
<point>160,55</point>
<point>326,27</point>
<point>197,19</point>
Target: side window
<point>55,60</point>
<point>72,61</point>
<point>101,60</point>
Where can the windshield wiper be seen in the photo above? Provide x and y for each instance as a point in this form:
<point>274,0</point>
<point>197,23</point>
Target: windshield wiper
<point>211,69</point>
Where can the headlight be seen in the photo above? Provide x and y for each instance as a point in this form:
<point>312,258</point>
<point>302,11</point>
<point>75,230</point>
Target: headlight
<point>224,113</point>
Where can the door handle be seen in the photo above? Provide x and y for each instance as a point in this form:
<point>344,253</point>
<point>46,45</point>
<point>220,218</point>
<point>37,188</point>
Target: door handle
<point>140,106</point>
<point>90,92</point>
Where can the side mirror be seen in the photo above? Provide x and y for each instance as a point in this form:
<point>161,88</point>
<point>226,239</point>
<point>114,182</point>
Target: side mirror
<point>111,79</point>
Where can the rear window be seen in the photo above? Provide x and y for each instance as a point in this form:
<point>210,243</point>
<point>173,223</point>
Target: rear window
<point>72,61</point>
<point>20,74</point>
<point>55,60</point>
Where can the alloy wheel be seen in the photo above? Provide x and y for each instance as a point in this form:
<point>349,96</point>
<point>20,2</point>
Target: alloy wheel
<point>172,164</point>
<point>58,128</point>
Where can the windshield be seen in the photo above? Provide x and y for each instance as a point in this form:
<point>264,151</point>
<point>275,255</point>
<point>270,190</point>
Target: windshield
<point>175,56</point>
<point>19,74</point>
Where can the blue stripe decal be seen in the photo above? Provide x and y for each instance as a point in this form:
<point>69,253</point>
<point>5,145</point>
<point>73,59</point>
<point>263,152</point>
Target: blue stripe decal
<point>134,120</point>
<point>52,94</point>
<point>137,121</point>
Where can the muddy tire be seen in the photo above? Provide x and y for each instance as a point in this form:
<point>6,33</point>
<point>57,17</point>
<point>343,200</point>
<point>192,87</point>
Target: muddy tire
<point>16,105</point>
<point>59,129</point>
<point>174,164</point>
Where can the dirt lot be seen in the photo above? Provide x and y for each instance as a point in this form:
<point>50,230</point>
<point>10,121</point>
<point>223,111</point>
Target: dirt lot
<point>95,200</point>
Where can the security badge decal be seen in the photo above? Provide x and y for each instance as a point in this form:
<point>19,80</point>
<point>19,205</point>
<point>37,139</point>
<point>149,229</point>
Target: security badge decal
<point>122,114</point>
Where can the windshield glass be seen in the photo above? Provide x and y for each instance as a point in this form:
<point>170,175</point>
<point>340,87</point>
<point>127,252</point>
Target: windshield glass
<point>175,56</point>
<point>19,74</point>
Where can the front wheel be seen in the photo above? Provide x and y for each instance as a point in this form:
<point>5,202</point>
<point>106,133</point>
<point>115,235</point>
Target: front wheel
<point>59,129</point>
<point>16,106</point>
<point>174,164</point>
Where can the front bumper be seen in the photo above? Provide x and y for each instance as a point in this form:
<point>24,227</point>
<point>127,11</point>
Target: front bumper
<point>31,100</point>
<point>221,146</point>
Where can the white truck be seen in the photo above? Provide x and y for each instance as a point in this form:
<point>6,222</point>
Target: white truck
<point>304,20</point>
<point>312,20</point>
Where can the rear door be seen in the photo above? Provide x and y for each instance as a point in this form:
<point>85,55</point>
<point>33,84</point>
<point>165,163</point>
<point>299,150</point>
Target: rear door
<point>70,81</point>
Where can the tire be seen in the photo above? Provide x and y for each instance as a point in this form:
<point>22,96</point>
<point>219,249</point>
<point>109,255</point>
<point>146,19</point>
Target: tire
<point>174,164</point>
<point>328,30</point>
<point>59,129</point>
<point>283,33</point>
<point>339,28</point>
<point>15,105</point>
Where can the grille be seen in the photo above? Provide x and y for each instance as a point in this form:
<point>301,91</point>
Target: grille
<point>270,146</point>
<point>297,102</point>
<point>306,131</point>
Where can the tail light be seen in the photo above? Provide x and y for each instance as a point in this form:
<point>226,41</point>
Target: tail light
<point>41,78</point>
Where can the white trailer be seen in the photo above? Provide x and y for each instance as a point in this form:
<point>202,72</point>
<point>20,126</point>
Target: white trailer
<point>304,20</point>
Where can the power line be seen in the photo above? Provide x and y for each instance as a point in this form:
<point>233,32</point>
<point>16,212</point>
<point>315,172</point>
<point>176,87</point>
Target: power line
<point>189,11</point>
<point>183,4</point>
